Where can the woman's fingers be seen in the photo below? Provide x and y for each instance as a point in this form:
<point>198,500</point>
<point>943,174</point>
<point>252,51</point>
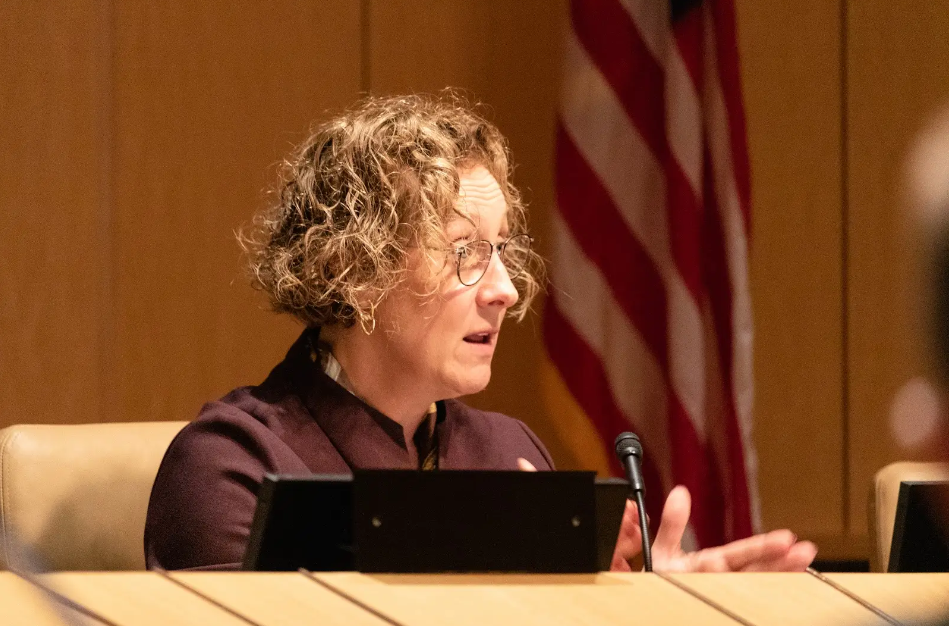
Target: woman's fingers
<point>631,514</point>
<point>675,517</point>
<point>796,559</point>
<point>758,549</point>
<point>750,553</point>
<point>620,563</point>
<point>629,541</point>
<point>777,551</point>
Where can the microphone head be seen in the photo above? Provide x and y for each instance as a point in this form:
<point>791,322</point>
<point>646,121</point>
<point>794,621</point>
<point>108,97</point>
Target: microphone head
<point>627,444</point>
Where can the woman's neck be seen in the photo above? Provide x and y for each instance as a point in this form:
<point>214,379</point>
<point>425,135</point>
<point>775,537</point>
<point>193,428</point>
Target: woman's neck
<point>366,375</point>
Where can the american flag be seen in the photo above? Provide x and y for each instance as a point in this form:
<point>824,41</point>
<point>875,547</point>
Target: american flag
<point>648,323</point>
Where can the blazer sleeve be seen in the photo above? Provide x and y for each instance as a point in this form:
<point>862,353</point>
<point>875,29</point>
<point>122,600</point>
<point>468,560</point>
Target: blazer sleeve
<point>203,500</point>
<point>541,449</point>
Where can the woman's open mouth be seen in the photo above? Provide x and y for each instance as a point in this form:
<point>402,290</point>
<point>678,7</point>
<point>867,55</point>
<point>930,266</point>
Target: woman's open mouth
<point>484,338</point>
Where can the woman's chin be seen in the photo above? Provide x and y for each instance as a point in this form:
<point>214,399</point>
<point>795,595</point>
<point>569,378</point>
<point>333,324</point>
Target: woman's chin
<point>472,382</point>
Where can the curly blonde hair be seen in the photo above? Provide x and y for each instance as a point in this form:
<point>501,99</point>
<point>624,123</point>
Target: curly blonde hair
<point>364,188</point>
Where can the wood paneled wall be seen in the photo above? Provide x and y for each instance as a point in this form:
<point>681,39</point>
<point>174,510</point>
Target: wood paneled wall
<point>204,103</point>
<point>139,135</point>
<point>792,97</point>
<point>897,79</point>
<point>53,261</point>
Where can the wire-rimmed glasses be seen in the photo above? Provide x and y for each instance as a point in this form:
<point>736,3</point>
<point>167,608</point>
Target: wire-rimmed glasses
<point>473,258</point>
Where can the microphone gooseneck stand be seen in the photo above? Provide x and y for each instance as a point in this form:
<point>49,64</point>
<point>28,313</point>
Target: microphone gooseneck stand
<point>630,453</point>
<point>644,529</point>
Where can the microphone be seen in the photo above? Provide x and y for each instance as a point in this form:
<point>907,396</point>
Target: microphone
<point>630,454</point>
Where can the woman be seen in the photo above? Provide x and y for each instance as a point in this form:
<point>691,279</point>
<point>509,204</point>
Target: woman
<point>400,243</point>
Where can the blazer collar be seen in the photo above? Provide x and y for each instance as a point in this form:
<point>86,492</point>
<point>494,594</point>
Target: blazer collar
<point>365,437</point>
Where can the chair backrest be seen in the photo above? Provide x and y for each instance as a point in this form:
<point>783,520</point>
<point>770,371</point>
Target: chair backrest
<point>883,500</point>
<point>74,497</point>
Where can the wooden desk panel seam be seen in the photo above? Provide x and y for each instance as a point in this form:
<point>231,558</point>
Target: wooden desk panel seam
<point>703,598</point>
<point>207,598</point>
<point>864,603</point>
<point>60,598</point>
<point>342,594</point>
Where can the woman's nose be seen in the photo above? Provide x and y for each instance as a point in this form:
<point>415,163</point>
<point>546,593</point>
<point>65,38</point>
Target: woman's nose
<point>496,287</point>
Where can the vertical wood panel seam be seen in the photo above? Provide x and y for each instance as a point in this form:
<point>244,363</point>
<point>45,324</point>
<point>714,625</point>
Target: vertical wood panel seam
<point>845,267</point>
<point>106,146</point>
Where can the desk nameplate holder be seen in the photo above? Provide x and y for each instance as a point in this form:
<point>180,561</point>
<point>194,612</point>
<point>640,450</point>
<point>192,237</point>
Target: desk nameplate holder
<point>446,521</point>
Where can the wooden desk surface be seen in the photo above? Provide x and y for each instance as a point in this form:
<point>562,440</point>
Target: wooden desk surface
<point>279,598</point>
<point>906,597</point>
<point>772,598</point>
<point>209,599</point>
<point>22,604</point>
<point>142,598</point>
<point>461,600</point>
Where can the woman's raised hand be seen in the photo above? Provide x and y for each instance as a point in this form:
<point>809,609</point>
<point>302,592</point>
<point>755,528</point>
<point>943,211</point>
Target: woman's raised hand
<point>776,551</point>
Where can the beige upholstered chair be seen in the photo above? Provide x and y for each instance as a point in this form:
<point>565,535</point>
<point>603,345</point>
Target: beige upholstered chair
<point>883,500</point>
<point>74,497</point>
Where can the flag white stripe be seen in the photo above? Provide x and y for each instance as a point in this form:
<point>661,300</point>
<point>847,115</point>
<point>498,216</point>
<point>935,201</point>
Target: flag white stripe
<point>736,247</point>
<point>608,142</point>
<point>652,20</point>
<point>600,128</point>
<point>584,298</point>
<point>684,115</point>
<point>687,357</point>
<point>715,402</point>
<point>687,370</point>
<point>684,121</point>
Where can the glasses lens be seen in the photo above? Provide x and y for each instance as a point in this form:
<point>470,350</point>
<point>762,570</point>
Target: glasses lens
<point>473,260</point>
<point>516,254</point>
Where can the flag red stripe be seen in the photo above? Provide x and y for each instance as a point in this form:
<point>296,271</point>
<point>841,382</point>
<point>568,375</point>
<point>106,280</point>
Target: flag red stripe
<point>596,224</point>
<point>729,75</point>
<point>688,32</point>
<point>585,378</point>
<point>693,465</point>
<point>683,204</point>
<point>644,269</point>
<point>601,233</point>
<point>612,40</point>
<point>684,218</point>
<point>720,301</point>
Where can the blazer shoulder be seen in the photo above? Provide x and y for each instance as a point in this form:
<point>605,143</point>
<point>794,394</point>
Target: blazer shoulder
<point>500,434</point>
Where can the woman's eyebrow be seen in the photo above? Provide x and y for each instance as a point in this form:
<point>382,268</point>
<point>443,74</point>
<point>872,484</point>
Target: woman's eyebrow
<point>460,223</point>
<point>461,230</point>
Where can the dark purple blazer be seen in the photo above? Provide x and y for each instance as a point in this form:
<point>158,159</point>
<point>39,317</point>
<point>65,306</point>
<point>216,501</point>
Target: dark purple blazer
<point>298,421</point>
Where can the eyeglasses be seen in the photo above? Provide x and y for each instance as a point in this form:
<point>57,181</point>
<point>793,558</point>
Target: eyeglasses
<point>473,258</point>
